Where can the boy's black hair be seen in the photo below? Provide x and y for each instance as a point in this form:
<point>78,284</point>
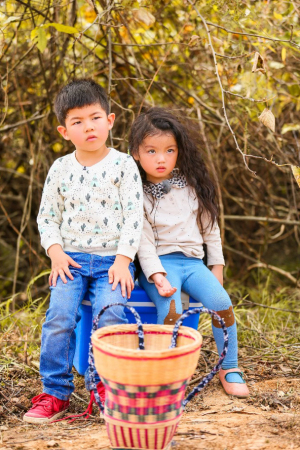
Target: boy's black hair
<point>77,94</point>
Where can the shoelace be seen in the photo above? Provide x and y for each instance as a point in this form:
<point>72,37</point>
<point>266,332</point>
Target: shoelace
<point>87,412</point>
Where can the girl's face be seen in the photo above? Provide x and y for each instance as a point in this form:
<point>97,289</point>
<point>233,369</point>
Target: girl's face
<point>157,156</point>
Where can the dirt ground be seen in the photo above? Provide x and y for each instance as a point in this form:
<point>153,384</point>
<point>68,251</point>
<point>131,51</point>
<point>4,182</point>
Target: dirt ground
<point>269,419</point>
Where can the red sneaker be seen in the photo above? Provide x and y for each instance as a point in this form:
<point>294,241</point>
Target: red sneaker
<point>46,408</point>
<point>89,410</point>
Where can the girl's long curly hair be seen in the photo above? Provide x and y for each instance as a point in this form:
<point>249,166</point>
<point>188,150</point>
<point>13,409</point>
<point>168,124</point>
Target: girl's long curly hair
<point>189,162</point>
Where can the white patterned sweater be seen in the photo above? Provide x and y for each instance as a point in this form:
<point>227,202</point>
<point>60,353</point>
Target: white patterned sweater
<point>97,209</point>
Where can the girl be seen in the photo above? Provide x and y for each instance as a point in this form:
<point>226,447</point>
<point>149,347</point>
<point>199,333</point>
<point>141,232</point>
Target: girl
<point>180,215</point>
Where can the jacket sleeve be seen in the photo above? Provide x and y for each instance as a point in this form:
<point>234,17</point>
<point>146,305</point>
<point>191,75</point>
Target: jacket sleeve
<point>148,258</point>
<point>212,238</point>
<point>50,214</point>
<point>131,198</point>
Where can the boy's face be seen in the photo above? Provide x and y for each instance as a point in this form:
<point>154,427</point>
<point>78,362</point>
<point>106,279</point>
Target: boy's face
<point>87,127</point>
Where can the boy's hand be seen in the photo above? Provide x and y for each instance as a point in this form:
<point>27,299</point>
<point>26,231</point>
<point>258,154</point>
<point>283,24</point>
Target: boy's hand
<point>163,285</point>
<point>120,273</point>
<point>217,270</point>
<point>60,264</point>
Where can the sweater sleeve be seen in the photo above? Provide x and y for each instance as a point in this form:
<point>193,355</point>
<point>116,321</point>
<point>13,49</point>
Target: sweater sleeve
<point>49,217</point>
<point>148,258</point>
<point>131,198</point>
<point>212,238</point>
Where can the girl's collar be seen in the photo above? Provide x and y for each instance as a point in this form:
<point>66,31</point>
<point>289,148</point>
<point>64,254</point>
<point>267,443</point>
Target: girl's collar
<point>160,189</point>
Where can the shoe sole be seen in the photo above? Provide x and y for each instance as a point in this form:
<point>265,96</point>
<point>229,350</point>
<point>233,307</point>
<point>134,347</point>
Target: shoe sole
<point>40,420</point>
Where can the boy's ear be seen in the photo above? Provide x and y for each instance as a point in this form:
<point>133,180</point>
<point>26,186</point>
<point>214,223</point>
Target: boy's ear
<point>111,118</point>
<point>63,131</point>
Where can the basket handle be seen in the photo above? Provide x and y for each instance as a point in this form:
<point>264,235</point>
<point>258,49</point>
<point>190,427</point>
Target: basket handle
<point>205,380</point>
<point>92,368</point>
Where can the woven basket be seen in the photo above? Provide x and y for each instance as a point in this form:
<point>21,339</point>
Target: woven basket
<point>145,371</point>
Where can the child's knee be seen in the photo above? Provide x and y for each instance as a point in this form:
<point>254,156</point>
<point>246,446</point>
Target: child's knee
<point>227,315</point>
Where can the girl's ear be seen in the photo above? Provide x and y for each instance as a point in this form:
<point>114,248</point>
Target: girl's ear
<point>63,131</point>
<point>136,156</point>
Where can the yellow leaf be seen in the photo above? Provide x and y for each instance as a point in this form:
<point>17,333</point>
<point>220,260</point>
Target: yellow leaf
<point>296,173</point>
<point>290,127</point>
<point>42,39</point>
<point>277,15</point>
<point>21,169</point>
<point>188,28</point>
<point>57,147</point>
<point>283,54</point>
<point>61,27</point>
<point>191,100</point>
<point>90,15</point>
<point>124,34</point>
<point>10,7</point>
<point>270,48</point>
<point>220,69</point>
<point>34,33</point>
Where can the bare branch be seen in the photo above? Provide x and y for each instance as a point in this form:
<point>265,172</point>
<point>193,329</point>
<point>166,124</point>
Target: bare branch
<point>267,38</point>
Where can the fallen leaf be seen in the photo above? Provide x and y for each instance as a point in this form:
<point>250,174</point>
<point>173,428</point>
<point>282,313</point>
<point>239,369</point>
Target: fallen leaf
<point>282,367</point>
<point>209,412</point>
<point>265,408</point>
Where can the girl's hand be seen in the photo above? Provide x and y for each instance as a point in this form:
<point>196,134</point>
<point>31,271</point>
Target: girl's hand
<point>120,273</point>
<point>163,285</point>
<point>60,263</point>
<point>217,270</point>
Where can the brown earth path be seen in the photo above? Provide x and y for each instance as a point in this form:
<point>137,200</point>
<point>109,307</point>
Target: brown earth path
<point>269,419</point>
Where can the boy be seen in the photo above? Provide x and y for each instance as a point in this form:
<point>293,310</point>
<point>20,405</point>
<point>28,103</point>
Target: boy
<point>90,222</point>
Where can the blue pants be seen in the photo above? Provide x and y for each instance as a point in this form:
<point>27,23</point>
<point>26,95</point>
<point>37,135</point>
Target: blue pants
<point>193,277</point>
<point>58,337</point>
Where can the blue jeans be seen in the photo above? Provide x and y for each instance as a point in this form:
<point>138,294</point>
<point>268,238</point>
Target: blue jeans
<point>58,337</point>
<point>193,277</point>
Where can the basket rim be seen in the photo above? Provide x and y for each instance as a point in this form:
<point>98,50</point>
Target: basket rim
<point>112,349</point>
